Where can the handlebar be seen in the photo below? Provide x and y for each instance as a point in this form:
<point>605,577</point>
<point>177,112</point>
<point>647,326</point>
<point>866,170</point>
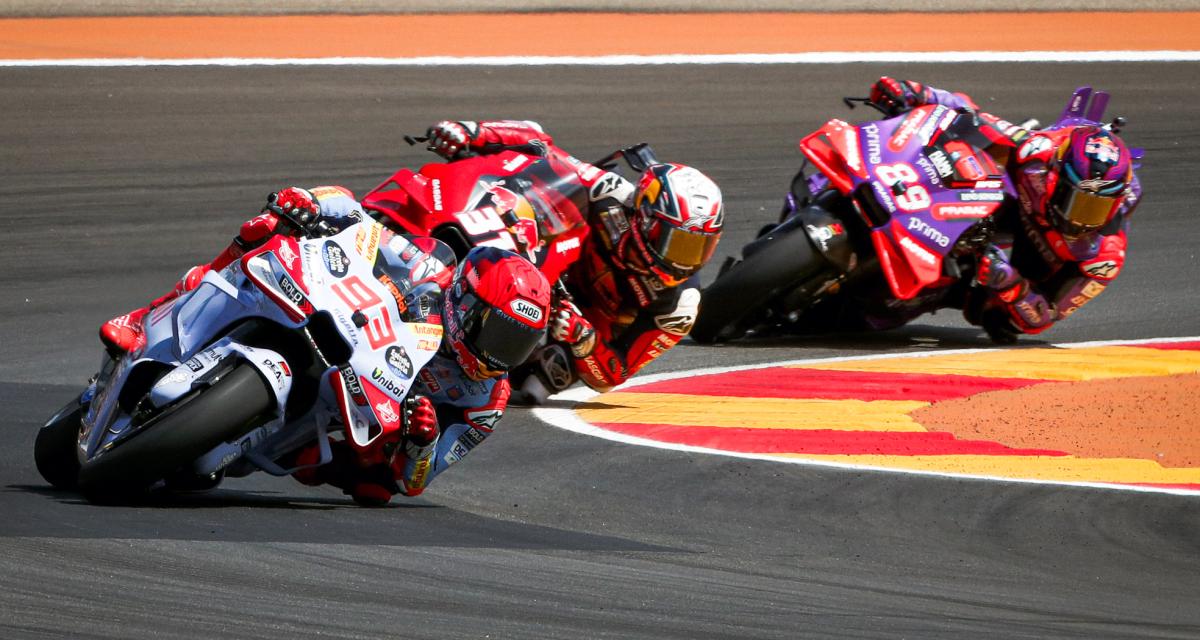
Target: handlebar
<point>852,102</point>
<point>638,157</point>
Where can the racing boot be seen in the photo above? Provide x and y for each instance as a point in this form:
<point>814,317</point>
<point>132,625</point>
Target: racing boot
<point>125,334</point>
<point>369,486</point>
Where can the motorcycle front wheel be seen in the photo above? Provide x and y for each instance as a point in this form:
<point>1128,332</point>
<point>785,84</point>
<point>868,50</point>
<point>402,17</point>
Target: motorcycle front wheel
<point>182,433</point>
<point>55,449</point>
<point>738,299</point>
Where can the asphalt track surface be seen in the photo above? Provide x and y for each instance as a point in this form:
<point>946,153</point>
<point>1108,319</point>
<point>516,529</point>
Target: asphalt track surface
<point>116,180</point>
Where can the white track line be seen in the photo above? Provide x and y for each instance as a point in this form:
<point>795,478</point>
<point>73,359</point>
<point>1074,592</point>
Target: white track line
<point>568,420</point>
<point>817,57</point>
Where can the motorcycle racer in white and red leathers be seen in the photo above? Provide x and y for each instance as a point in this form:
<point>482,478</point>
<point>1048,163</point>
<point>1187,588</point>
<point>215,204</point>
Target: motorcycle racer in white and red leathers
<point>459,396</point>
<point>1077,192</point>
<point>634,293</point>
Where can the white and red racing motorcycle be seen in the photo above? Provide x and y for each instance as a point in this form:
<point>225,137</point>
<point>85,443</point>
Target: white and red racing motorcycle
<point>250,366</point>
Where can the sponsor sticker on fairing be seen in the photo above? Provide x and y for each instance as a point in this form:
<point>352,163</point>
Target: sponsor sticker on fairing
<point>884,196</point>
<point>287,255</point>
<point>387,412</point>
<point>928,169</point>
<point>852,153</point>
<point>387,384</point>
<point>906,130</point>
<point>289,289</point>
<point>874,145</point>
<point>567,245</point>
<point>335,259</point>
<point>981,196</point>
<point>963,211</point>
<point>516,163</point>
<point>914,249</point>
<point>275,370</point>
<point>922,227</point>
<point>435,188</point>
<point>399,362</point>
<point>353,385</point>
<point>942,163</point>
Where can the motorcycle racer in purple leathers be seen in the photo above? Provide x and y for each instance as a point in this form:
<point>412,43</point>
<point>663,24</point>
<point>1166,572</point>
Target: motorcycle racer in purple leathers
<point>1076,190</point>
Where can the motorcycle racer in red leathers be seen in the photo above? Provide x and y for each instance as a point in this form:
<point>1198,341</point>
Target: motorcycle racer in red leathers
<point>494,309</point>
<point>634,293</point>
<point>1077,191</point>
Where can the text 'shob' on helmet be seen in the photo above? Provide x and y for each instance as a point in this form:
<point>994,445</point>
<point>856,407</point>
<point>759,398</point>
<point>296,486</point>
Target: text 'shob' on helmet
<point>676,223</point>
<point>496,311</point>
<point>1093,171</point>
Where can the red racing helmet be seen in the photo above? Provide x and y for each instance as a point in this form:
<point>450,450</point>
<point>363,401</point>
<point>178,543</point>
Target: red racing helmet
<point>495,312</point>
<point>675,226</point>
<point>1088,180</point>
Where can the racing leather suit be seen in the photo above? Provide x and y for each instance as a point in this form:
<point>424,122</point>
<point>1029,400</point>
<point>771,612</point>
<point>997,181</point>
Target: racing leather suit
<point>636,318</point>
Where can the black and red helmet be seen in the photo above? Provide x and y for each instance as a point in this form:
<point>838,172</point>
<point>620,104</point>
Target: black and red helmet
<point>675,226</point>
<point>1088,180</point>
<point>496,311</point>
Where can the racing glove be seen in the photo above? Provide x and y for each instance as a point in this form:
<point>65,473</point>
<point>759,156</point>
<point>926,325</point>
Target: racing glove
<point>462,139</point>
<point>895,97</point>
<point>420,428</point>
<point>452,140</point>
<point>568,326</point>
<point>994,271</point>
<point>1028,310</point>
<point>293,204</point>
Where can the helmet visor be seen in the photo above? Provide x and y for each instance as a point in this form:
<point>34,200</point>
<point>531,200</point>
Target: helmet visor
<point>1083,210</point>
<point>678,252</point>
<point>497,339</point>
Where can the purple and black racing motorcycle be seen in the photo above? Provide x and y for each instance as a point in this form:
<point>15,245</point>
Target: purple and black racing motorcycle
<point>888,226</point>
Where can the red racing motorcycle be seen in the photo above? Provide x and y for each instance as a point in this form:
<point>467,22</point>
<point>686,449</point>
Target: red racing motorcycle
<point>517,198</point>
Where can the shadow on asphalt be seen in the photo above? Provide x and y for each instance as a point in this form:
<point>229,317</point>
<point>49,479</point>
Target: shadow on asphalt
<point>228,515</point>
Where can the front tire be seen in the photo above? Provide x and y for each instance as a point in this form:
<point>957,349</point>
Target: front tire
<point>55,449</point>
<point>181,434</point>
<point>738,298</point>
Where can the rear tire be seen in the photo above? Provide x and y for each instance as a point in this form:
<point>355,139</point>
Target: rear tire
<point>737,299</point>
<point>181,434</point>
<point>55,451</point>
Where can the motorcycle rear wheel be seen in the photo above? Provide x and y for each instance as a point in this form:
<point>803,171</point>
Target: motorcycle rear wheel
<point>738,298</point>
<point>55,449</point>
<point>181,434</point>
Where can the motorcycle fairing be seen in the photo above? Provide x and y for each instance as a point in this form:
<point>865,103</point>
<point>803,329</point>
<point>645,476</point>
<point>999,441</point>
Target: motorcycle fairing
<point>825,148</point>
<point>473,196</point>
<point>917,187</point>
<point>205,363</point>
<point>185,337</point>
<point>385,362</point>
